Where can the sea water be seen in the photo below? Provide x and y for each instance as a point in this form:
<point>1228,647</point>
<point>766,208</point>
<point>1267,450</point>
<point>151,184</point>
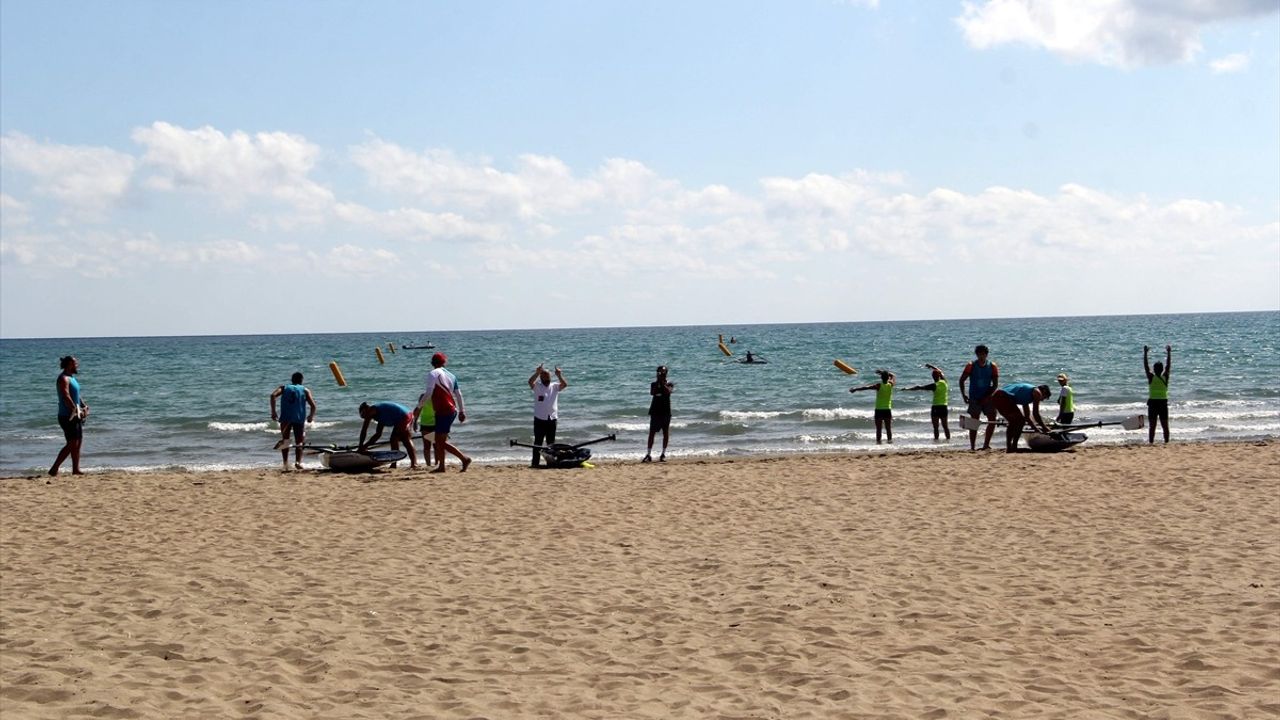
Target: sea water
<point>201,403</point>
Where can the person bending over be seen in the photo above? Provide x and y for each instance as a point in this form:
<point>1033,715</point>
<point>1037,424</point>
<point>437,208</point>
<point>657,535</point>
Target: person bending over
<point>1019,403</point>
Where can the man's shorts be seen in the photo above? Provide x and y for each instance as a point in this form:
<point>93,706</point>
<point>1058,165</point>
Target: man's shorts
<point>884,414</point>
<point>938,412</point>
<point>979,407</point>
<point>659,422</point>
<point>297,428</point>
<point>71,429</point>
<point>444,422</point>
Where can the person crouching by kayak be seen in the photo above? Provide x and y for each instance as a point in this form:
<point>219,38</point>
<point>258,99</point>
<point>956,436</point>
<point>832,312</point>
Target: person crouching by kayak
<point>398,417</point>
<point>1019,403</point>
<point>884,403</point>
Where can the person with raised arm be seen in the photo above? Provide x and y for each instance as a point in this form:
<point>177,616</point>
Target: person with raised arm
<point>884,403</point>
<point>941,395</point>
<point>546,408</point>
<point>1157,392</point>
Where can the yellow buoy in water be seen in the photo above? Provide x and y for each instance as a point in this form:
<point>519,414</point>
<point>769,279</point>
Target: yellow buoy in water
<point>381,360</point>
<point>337,374</point>
<point>392,348</point>
<point>725,349</point>
<point>848,370</point>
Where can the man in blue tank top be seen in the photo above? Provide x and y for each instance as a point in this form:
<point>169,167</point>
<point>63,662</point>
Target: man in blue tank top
<point>293,417</point>
<point>984,377</point>
<point>72,411</point>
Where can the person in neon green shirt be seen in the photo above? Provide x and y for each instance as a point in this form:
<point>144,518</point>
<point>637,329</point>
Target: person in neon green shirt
<point>1066,401</point>
<point>884,403</point>
<point>1157,392</point>
<point>941,394</point>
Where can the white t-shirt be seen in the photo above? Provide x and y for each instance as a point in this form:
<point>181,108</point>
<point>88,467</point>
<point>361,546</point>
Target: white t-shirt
<point>546,400</point>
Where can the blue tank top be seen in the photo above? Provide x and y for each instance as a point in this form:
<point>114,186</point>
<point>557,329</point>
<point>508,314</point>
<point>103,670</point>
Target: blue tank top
<point>293,404</point>
<point>1020,392</point>
<point>389,413</point>
<point>980,377</point>
<point>73,387</point>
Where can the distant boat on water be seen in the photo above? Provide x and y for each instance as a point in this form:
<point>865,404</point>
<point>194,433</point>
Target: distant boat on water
<point>424,346</point>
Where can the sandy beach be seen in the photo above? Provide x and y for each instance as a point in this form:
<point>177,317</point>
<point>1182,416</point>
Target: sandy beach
<point>1110,582</point>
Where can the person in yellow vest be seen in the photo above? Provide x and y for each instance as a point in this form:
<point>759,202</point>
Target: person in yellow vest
<point>1157,392</point>
<point>1066,401</point>
<point>884,403</point>
<point>941,394</point>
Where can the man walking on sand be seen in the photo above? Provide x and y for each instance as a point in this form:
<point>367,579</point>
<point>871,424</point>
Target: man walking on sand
<point>293,417</point>
<point>71,414</point>
<point>446,400</point>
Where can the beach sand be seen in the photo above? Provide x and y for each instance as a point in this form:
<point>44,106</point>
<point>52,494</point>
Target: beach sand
<point>1110,582</point>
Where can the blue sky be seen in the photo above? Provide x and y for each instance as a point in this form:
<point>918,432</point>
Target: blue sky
<point>245,167</point>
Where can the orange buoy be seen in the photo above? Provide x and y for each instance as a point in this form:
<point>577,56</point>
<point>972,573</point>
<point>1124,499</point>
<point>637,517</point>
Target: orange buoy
<point>392,348</point>
<point>725,349</point>
<point>337,374</point>
<point>381,360</point>
<point>848,370</point>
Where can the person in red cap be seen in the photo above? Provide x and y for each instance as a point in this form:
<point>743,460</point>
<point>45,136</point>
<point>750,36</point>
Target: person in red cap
<point>446,400</point>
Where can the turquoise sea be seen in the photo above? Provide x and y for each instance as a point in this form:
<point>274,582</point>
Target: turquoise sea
<point>200,403</point>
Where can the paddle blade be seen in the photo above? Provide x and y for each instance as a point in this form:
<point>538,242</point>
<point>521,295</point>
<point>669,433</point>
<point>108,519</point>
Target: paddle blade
<point>1136,422</point>
<point>971,423</point>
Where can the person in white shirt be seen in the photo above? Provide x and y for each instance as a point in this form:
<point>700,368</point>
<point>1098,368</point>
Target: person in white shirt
<point>546,407</point>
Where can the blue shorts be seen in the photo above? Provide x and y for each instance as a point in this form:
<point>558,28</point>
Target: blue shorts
<point>297,428</point>
<point>444,421</point>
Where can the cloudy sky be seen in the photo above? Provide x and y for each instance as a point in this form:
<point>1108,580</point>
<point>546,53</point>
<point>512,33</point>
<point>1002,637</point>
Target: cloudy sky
<point>249,167</point>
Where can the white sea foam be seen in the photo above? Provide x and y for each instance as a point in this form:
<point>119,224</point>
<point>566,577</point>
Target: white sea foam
<point>740,415</point>
<point>834,413</point>
<point>240,427</point>
<point>640,426</point>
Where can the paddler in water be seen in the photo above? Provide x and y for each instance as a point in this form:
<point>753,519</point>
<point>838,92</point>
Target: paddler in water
<point>398,417</point>
<point>941,395</point>
<point>884,403</point>
<point>1012,402</point>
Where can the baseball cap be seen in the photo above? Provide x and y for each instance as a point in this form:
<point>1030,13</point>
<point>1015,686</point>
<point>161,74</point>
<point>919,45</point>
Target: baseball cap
<point>439,359</point>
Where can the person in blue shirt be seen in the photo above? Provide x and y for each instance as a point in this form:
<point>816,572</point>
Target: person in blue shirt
<point>399,417</point>
<point>1020,403</point>
<point>983,377</point>
<point>72,411</point>
<point>293,417</point>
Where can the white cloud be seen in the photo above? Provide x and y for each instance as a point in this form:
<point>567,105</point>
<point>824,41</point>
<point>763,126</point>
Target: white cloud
<point>1233,63</point>
<point>233,167</point>
<point>1125,33</point>
<point>13,212</point>
<point>88,180</point>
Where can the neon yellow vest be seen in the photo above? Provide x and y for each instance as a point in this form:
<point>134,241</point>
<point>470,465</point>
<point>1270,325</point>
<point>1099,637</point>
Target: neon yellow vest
<point>1070,397</point>
<point>940,392</point>
<point>884,396</point>
<point>1158,388</point>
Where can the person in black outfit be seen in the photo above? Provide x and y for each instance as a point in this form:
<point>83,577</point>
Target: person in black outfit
<point>659,413</point>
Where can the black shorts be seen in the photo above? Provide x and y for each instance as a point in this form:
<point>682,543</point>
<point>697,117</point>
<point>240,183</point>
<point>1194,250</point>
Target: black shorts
<point>938,412</point>
<point>1065,418</point>
<point>884,414</point>
<point>71,429</point>
<point>1158,408</point>
<point>659,422</point>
